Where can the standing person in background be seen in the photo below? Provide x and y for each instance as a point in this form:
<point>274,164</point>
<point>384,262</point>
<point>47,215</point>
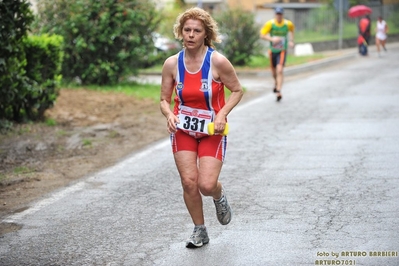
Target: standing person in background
<point>362,45</point>
<point>381,34</point>
<point>364,31</point>
<point>280,33</point>
<point>198,75</point>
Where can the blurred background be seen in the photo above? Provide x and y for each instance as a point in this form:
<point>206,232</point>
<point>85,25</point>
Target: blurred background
<point>48,44</point>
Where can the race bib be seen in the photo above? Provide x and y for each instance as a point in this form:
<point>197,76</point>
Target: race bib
<point>280,44</point>
<point>194,120</point>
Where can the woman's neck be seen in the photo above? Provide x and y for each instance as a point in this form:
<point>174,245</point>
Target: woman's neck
<point>197,54</point>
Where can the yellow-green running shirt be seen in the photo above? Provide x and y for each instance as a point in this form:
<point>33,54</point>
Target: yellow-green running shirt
<point>278,29</point>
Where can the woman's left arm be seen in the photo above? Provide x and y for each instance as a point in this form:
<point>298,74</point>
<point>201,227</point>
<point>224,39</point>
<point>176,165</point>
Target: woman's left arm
<point>227,75</point>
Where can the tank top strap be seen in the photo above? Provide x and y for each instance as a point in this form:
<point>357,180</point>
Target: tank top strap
<point>206,78</point>
<point>180,68</point>
<point>206,66</point>
<point>204,69</point>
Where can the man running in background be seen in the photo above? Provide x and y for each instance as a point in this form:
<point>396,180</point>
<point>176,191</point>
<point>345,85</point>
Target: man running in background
<point>280,33</point>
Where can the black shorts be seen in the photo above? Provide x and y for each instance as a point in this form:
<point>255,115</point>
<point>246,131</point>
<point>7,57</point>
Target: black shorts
<point>277,58</point>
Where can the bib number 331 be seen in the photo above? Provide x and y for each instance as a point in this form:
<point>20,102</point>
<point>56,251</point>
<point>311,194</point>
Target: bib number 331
<point>194,120</point>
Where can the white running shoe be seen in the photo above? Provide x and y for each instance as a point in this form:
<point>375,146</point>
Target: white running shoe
<point>198,238</point>
<point>223,209</point>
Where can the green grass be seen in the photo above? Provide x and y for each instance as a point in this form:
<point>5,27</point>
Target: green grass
<point>257,62</point>
<point>24,129</point>
<point>50,122</point>
<point>141,91</point>
<point>299,60</point>
<point>22,170</point>
<point>305,36</point>
<point>153,69</point>
<point>61,133</point>
<point>86,142</point>
<point>262,62</point>
<point>60,148</point>
<point>152,91</point>
<point>349,30</point>
<point>2,177</point>
<point>113,134</point>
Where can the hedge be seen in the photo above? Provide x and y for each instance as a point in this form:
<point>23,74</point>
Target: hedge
<point>41,61</point>
<point>44,56</point>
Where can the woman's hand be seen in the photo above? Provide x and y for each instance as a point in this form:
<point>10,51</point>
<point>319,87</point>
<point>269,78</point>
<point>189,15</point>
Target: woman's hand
<point>220,124</point>
<point>171,122</point>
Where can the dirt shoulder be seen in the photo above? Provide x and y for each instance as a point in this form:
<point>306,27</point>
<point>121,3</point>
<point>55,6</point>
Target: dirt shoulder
<point>93,131</point>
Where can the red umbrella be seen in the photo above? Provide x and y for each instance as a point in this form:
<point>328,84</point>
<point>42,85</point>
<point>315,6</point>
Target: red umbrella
<point>358,11</point>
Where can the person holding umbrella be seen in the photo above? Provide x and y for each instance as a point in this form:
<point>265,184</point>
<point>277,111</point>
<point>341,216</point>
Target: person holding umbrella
<point>364,34</point>
<point>364,26</point>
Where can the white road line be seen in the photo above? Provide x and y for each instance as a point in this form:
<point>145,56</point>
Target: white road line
<point>45,202</point>
<point>80,185</point>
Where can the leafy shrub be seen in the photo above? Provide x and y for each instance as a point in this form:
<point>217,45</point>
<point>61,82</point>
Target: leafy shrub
<point>29,66</point>
<point>15,18</point>
<point>104,39</point>
<point>44,59</point>
<point>240,36</point>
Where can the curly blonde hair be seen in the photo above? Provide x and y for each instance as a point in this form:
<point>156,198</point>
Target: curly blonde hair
<point>210,25</point>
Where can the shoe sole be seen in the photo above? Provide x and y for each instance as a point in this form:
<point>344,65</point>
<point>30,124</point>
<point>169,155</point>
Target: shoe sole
<point>192,245</point>
<point>231,216</point>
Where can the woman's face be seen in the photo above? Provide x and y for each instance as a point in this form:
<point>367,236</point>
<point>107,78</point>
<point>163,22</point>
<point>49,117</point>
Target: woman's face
<point>193,34</point>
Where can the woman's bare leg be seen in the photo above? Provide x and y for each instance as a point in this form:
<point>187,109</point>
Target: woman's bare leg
<point>186,162</point>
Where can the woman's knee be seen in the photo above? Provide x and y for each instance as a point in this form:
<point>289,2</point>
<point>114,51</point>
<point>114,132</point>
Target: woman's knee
<point>208,188</point>
<point>189,184</point>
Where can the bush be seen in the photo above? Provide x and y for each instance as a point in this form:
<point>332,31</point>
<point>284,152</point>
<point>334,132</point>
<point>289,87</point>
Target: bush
<point>29,66</point>
<point>240,34</point>
<point>15,18</point>
<point>44,59</point>
<point>104,39</point>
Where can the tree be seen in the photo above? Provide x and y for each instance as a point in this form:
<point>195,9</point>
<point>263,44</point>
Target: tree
<point>179,3</point>
<point>240,36</point>
<point>104,39</point>
<point>15,18</point>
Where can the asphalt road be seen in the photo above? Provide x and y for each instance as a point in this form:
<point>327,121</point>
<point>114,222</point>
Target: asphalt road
<point>312,180</point>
